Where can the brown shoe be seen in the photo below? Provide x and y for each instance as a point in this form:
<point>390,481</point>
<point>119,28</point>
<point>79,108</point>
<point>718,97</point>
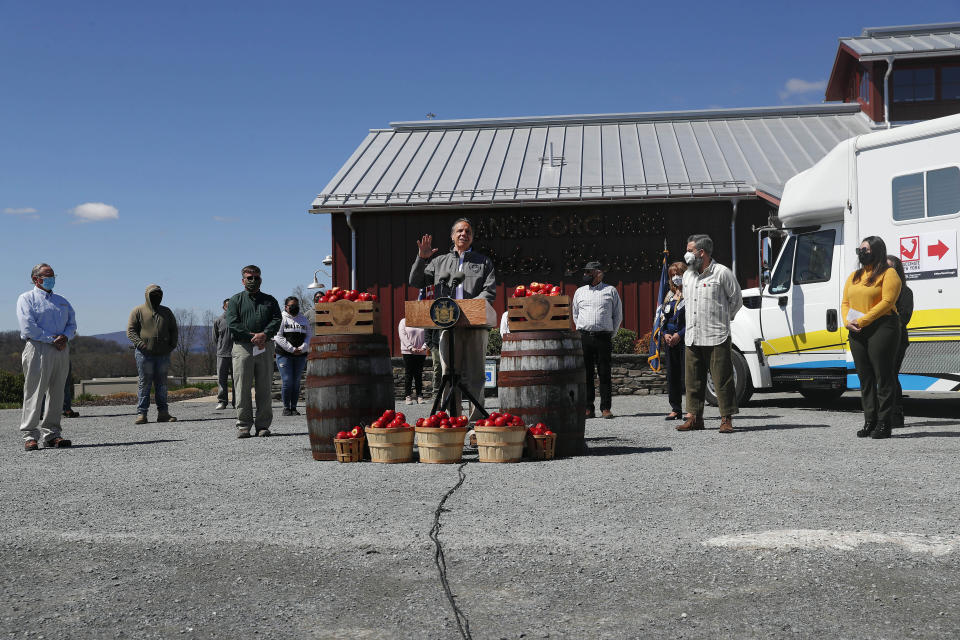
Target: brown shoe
<point>726,424</point>
<point>141,419</point>
<point>590,413</point>
<point>57,443</point>
<point>606,415</point>
<point>31,445</point>
<point>693,423</point>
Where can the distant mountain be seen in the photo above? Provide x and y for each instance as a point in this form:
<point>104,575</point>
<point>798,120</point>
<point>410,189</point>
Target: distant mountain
<point>120,337</point>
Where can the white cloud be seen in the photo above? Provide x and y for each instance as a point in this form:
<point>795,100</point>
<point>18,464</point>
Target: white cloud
<point>95,212</point>
<point>796,86</point>
<point>19,212</point>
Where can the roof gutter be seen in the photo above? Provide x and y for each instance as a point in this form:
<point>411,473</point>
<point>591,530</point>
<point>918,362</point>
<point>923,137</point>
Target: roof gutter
<point>886,91</point>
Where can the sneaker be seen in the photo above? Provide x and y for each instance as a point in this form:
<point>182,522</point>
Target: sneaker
<point>57,443</point>
<point>141,419</point>
<point>286,412</point>
<point>221,406</point>
<point>606,414</point>
<point>31,445</point>
<point>243,432</point>
<point>294,412</point>
<point>420,400</point>
<point>263,433</point>
<point>408,400</point>
<point>166,417</point>
<point>70,413</point>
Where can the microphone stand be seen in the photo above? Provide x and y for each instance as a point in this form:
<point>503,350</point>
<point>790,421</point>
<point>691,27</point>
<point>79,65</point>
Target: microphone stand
<point>452,380</point>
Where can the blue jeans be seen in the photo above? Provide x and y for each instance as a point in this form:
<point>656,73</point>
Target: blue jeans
<point>153,373</point>
<point>291,370</point>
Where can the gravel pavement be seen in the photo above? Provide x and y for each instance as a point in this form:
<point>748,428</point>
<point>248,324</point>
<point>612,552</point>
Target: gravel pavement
<point>790,528</point>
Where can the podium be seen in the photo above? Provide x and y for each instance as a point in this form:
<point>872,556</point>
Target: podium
<point>475,313</point>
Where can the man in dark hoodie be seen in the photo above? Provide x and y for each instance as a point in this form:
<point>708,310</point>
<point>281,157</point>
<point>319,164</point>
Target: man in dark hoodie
<point>152,329</point>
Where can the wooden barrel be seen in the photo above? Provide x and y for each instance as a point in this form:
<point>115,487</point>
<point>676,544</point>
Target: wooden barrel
<point>500,444</point>
<point>390,445</point>
<point>542,379</point>
<point>349,382</point>
<point>440,446</point>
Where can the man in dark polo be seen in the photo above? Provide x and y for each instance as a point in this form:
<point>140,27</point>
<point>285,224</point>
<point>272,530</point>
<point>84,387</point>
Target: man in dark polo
<point>597,314</point>
<point>479,282</point>
<point>254,318</point>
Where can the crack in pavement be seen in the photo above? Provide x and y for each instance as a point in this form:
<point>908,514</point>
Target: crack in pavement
<point>463,624</point>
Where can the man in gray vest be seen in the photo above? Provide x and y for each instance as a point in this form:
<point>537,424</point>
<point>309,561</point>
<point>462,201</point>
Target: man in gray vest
<point>479,282</point>
<point>221,336</point>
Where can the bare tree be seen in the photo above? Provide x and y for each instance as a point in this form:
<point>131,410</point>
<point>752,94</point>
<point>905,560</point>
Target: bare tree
<point>209,343</point>
<point>187,327</point>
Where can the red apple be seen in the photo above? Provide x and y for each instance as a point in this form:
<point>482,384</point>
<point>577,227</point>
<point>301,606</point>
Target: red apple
<point>342,435</point>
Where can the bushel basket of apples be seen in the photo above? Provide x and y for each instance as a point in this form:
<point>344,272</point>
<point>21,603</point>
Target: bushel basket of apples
<point>390,438</point>
<point>500,438</point>
<point>349,445</point>
<point>541,442</point>
<point>440,438</point>
<point>340,311</point>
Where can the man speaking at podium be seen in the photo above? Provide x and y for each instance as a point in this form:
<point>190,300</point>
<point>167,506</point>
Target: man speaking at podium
<point>478,281</point>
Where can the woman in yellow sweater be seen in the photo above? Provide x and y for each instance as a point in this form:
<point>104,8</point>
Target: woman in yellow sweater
<point>869,310</point>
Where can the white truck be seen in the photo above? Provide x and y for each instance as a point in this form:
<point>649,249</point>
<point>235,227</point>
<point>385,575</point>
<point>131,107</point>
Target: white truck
<point>901,184</point>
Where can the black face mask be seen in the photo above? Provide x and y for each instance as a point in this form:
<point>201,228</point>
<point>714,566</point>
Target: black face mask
<point>587,279</point>
<point>155,298</point>
<point>293,310</point>
<point>865,256</point>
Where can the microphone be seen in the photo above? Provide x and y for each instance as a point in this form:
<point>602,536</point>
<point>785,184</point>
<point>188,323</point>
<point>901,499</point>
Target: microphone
<point>456,278</point>
<point>444,278</point>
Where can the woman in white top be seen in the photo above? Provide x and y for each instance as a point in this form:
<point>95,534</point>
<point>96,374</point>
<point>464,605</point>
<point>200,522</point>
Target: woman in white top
<point>413,347</point>
<point>293,344</point>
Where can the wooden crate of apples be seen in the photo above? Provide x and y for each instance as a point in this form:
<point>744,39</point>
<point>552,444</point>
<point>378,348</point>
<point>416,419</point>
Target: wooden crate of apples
<point>346,311</point>
<point>538,307</point>
<point>349,445</point>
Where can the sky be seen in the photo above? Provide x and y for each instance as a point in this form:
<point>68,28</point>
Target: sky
<point>175,142</point>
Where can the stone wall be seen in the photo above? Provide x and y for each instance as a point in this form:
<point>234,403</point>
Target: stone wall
<point>629,375</point>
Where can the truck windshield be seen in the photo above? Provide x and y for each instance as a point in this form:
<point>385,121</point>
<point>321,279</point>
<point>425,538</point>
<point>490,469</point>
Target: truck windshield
<point>780,282</point>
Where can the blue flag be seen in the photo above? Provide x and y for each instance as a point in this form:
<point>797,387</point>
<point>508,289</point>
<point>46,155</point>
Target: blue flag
<point>656,333</point>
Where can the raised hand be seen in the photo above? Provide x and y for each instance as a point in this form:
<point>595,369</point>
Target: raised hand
<point>425,246</point>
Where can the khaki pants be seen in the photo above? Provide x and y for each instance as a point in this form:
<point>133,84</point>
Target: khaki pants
<point>45,371</point>
<point>470,357</point>
<point>253,372</point>
<point>717,358</point>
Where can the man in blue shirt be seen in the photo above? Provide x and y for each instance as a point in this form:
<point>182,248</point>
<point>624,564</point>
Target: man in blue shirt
<point>47,323</point>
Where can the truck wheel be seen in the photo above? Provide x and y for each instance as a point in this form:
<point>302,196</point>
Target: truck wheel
<point>822,396</point>
<point>741,381</point>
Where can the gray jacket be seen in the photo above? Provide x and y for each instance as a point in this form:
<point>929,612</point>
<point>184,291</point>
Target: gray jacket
<point>480,280</point>
<point>221,335</point>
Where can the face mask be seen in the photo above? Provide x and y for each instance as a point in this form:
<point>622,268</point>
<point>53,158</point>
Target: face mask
<point>689,257</point>
<point>48,283</point>
<point>865,256</point>
<point>587,278</point>
<point>155,298</point>
<point>676,280</point>
<point>293,310</point>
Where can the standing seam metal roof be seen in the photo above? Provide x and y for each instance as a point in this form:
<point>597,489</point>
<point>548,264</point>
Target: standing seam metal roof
<point>587,157</point>
<point>907,41</point>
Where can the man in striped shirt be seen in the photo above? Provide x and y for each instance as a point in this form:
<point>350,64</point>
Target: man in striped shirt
<point>597,314</point>
<point>713,297</point>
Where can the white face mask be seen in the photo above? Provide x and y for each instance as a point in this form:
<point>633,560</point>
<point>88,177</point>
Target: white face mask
<point>689,257</point>
<point>676,280</point>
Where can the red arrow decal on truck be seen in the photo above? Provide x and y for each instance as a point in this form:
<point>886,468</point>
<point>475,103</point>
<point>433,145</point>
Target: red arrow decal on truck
<point>938,250</point>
